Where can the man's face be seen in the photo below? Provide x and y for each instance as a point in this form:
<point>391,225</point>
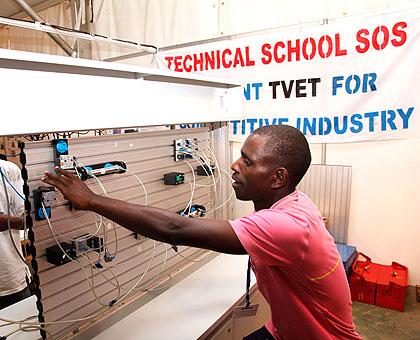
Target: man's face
<point>253,172</point>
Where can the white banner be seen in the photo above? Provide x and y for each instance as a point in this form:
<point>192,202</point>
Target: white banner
<point>353,79</point>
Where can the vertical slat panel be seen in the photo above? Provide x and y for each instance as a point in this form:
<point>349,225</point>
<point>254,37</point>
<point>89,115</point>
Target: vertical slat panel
<point>66,293</point>
<point>329,187</point>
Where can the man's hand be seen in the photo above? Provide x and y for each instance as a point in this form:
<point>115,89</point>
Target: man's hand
<point>72,187</point>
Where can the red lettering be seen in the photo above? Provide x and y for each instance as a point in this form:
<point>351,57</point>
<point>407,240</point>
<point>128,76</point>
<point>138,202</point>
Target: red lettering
<point>375,42</point>
<point>169,60</point>
<point>293,49</point>
<point>248,60</point>
<point>321,52</point>
<point>265,49</point>
<point>198,61</point>
<point>305,49</point>
<point>178,63</point>
<point>187,67</point>
<point>276,52</point>
<point>398,31</point>
<point>224,62</point>
<point>364,42</point>
<point>338,51</point>
<point>238,59</point>
<point>210,61</point>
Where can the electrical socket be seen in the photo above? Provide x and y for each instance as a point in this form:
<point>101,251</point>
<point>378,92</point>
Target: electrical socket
<point>48,198</point>
<point>66,162</point>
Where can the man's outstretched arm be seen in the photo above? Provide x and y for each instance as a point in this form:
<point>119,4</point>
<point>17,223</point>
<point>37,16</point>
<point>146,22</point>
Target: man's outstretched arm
<point>151,222</point>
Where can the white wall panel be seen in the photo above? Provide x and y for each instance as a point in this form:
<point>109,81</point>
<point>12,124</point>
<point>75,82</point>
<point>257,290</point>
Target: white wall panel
<point>385,200</point>
<point>329,187</point>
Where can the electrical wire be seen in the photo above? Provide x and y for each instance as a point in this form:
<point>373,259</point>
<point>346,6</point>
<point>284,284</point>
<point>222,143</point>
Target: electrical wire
<point>116,240</point>
<point>144,274</point>
<point>186,258</point>
<point>208,149</point>
<point>24,213</point>
<point>219,171</point>
<point>139,180</point>
<point>4,178</point>
<point>228,199</point>
<point>212,177</point>
<point>112,224</point>
<point>92,288</point>
<point>31,328</point>
<point>11,155</point>
<point>199,158</point>
<point>11,185</point>
<point>192,192</point>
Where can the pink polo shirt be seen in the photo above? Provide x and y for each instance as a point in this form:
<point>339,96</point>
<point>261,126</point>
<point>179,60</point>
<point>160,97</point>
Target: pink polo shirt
<point>298,270</point>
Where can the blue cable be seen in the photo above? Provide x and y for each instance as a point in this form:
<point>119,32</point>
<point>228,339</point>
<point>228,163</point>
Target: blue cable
<point>7,180</point>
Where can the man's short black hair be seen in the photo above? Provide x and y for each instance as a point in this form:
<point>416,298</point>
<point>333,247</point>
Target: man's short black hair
<point>289,148</point>
<point>3,157</point>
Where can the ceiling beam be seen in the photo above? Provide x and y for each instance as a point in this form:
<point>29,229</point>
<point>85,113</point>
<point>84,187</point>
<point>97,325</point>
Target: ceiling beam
<point>58,40</point>
<point>37,8</point>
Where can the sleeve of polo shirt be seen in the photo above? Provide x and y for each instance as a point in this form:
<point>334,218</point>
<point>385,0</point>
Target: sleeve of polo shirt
<point>272,238</point>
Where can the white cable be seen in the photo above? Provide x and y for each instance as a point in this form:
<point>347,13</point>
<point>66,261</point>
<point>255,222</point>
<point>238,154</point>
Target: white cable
<point>76,160</point>
<point>144,274</point>
<point>214,181</point>
<point>192,188</point>
<point>228,199</point>
<point>201,163</point>
<point>214,158</point>
<point>146,202</point>
<point>219,169</point>
<point>141,183</point>
<point>92,288</point>
<point>105,193</point>
<point>97,224</point>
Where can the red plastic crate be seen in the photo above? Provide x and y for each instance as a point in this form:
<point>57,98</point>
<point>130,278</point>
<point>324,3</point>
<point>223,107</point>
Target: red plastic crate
<point>392,287</point>
<point>363,279</point>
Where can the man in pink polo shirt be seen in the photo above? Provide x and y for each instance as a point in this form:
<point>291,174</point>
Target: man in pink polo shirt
<point>296,263</point>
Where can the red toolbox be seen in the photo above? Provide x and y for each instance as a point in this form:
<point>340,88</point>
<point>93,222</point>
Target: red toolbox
<point>363,279</point>
<point>392,287</point>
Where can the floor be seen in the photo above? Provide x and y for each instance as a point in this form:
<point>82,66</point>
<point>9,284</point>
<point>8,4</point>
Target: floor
<point>376,323</point>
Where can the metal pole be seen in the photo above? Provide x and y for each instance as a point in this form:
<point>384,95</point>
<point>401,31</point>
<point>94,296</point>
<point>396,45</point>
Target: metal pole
<point>324,154</point>
<point>60,42</point>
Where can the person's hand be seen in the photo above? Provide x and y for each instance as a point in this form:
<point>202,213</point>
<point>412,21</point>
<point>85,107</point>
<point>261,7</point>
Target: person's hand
<point>72,187</point>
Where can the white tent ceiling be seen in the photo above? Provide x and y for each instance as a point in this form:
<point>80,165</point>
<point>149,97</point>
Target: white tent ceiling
<point>9,8</point>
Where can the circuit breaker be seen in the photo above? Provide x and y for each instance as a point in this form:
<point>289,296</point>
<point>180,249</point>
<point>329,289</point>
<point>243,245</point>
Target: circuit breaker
<point>173,178</point>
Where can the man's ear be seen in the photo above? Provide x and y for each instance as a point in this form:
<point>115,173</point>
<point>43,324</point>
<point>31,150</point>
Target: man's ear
<point>281,178</point>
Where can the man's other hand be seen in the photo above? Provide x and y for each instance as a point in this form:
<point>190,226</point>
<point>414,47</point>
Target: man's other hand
<point>72,188</point>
